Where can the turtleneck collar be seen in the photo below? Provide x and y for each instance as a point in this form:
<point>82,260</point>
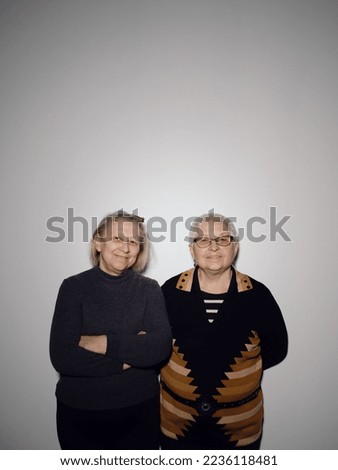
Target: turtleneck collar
<point>126,276</point>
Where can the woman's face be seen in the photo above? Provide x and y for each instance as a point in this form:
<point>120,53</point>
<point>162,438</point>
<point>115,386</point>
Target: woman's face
<point>121,251</point>
<point>213,259</point>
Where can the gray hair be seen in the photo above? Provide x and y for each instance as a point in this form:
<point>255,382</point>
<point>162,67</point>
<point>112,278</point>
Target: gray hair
<point>211,218</point>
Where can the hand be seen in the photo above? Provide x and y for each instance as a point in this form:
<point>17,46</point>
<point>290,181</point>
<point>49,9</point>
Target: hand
<point>128,366</point>
<point>95,344</point>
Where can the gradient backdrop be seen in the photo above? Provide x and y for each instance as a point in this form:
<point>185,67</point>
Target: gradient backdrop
<point>171,107</point>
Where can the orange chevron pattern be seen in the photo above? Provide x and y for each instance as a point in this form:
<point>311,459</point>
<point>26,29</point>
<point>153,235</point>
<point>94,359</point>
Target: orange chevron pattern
<point>242,423</point>
<point>176,418</point>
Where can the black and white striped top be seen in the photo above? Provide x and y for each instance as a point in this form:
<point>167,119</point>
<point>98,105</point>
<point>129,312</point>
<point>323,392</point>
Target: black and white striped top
<point>212,303</point>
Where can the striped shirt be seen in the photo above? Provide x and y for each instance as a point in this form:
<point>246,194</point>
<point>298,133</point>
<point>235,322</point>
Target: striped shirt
<point>212,303</point>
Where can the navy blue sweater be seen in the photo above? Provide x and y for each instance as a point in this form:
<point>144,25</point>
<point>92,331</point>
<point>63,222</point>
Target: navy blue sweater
<point>96,303</point>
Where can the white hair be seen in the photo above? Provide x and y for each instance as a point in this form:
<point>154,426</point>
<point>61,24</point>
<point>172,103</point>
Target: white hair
<point>212,218</point>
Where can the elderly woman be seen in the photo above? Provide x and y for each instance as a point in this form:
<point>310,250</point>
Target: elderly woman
<point>227,329</point>
<point>109,334</point>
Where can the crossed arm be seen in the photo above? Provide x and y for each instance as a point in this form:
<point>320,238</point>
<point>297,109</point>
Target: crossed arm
<point>74,354</point>
<point>98,344</point>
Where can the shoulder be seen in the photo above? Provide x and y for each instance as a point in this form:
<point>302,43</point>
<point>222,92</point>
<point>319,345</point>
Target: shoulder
<point>243,279</point>
<point>80,280</point>
<point>82,277</point>
<point>145,281</point>
<point>258,286</point>
<point>75,286</point>
<point>259,292</point>
<point>181,282</point>
<point>171,282</point>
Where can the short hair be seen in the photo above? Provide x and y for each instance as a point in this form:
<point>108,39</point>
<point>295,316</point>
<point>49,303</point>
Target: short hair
<point>211,217</point>
<point>100,235</point>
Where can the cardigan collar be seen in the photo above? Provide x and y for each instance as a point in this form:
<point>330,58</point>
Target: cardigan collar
<point>185,281</point>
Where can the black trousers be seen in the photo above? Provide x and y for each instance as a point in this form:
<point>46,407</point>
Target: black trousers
<point>134,427</point>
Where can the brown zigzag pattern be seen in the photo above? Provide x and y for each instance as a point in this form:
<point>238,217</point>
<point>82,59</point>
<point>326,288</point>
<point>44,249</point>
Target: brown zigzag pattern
<point>243,423</point>
<point>176,417</point>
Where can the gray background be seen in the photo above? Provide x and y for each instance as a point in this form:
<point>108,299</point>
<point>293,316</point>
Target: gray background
<point>173,107</point>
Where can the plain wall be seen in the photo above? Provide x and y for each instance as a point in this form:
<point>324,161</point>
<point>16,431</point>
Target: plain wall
<point>174,108</point>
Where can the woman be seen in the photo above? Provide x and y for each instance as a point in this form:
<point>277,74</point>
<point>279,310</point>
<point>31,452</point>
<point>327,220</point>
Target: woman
<point>227,328</point>
<point>109,334</point>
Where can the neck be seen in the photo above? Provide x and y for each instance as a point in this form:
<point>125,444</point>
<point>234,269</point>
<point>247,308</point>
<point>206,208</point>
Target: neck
<point>214,282</point>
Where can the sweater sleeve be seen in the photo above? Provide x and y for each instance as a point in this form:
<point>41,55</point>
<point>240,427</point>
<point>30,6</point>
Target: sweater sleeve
<point>151,348</point>
<point>67,357</point>
<point>274,337</point>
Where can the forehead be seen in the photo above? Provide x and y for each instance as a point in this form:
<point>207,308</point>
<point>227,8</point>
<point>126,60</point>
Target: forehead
<point>125,227</point>
<point>212,228</point>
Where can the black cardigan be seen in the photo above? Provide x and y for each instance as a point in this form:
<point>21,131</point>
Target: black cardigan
<point>224,359</point>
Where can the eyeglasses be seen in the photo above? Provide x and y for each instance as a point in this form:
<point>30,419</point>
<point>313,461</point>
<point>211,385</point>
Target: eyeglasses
<point>225,240</point>
<point>130,241</point>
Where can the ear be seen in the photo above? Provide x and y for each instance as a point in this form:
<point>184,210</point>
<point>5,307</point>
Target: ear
<point>236,248</point>
<point>191,248</point>
<point>97,246</point>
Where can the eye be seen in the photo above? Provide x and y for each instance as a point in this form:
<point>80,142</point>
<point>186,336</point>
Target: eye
<point>202,242</point>
<point>224,241</point>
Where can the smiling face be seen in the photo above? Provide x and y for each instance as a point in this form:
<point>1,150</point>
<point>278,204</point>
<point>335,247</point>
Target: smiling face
<point>121,250</point>
<point>213,259</point>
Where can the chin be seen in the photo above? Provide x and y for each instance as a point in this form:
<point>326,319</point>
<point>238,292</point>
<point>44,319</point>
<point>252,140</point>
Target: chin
<point>214,268</point>
<point>217,267</point>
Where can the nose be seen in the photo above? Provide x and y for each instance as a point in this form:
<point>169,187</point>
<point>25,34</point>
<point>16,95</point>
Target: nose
<point>125,247</point>
<point>213,245</point>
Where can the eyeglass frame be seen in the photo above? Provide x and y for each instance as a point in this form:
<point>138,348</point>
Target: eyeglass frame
<point>230,237</point>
